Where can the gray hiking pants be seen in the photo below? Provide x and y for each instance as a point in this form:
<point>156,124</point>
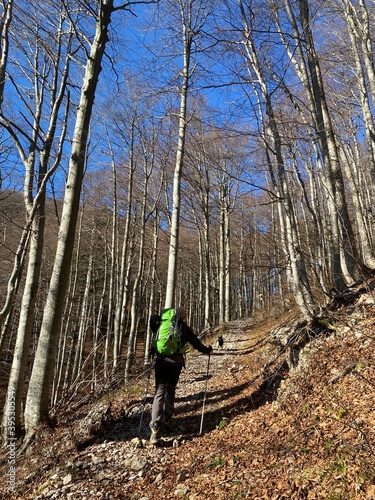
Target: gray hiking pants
<point>166,379</point>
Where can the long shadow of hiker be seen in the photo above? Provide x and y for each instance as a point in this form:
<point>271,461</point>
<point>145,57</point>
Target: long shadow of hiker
<point>125,427</point>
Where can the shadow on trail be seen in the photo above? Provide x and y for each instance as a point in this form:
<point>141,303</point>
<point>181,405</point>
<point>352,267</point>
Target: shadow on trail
<point>220,403</point>
<point>265,393</point>
<point>188,412</point>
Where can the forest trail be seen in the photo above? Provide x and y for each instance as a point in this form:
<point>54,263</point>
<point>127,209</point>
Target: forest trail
<point>114,459</point>
<point>253,445</point>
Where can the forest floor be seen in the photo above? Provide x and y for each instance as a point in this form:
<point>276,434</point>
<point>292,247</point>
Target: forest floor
<point>270,431</point>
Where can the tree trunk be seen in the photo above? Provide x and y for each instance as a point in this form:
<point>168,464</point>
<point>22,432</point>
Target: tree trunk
<point>130,358</point>
<point>188,35</point>
<point>37,402</point>
<point>151,308</point>
<point>301,286</point>
<point>122,290</point>
<point>35,208</point>
<point>113,267</point>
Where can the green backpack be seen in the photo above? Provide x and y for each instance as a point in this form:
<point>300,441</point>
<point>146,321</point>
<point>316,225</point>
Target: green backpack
<point>167,339</point>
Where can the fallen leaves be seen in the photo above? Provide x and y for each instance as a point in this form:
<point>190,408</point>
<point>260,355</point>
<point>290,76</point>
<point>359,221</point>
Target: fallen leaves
<point>316,441</point>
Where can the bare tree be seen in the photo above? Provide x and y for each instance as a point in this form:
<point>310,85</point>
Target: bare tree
<point>276,165</point>
<point>193,16</point>
<point>35,207</point>
<point>147,155</point>
<point>344,253</point>
<point>361,44</point>
<point>127,252</point>
<point>37,401</point>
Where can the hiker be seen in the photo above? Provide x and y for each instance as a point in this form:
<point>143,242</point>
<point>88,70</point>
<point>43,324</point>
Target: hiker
<point>167,372</point>
<point>220,341</point>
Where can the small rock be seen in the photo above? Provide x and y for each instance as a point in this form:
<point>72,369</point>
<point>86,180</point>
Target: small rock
<point>67,479</point>
<point>100,476</point>
<point>181,477</point>
<point>82,465</point>
<point>138,463</point>
<point>158,478</point>
<point>181,490</point>
<point>136,442</point>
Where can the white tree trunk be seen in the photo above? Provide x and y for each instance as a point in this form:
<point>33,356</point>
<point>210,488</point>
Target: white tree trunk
<point>35,208</point>
<point>113,267</point>
<point>151,308</point>
<point>301,287</point>
<point>37,401</point>
<point>130,358</point>
<point>122,290</point>
<point>187,35</point>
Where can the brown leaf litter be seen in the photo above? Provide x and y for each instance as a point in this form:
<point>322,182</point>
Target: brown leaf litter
<point>270,431</point>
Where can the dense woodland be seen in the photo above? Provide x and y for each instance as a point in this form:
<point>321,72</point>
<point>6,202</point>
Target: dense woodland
<point>215,154</point>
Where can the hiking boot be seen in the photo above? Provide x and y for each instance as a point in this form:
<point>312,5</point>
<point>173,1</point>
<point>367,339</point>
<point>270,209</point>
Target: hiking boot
<point>154,438</point>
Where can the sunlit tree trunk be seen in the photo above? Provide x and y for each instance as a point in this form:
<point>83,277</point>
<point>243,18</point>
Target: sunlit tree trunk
<point>135,306</point>
<point>343,251</point>
<point>97,326</point>
<point>176,194</point>
<point>193,16</point>
<point>227,272</point>
<point>361,210</point>
<point>35,209</point>
<point>301,286</point>
<point>359,28</point>
<point>83,315</point>
<point>37,401</point>
<point>222,247</point>
<point>122,289</point>
<point>5,22</point>
<point>113,283</point>
<point>153,307</point>
<point>71,316</point>
<point>357,19</point>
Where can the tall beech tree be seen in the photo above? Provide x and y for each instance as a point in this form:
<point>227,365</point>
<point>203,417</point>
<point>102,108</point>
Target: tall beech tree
<point>48,76</point>
<point>343,251</point>
<point>193,17</point>
<point>37,401</point>
<point>276,165</point>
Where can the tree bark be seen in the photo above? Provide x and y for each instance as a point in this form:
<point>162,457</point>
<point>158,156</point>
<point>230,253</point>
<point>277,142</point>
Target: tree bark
<point>35,209</point>
<point>37,401</point>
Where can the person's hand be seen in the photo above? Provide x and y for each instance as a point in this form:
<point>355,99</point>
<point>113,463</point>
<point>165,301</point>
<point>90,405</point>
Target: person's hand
<point>152,352</point>
<point>209,349</point>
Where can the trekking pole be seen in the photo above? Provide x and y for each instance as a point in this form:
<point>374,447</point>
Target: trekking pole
<point>205,393</point>
<point>145,396</point>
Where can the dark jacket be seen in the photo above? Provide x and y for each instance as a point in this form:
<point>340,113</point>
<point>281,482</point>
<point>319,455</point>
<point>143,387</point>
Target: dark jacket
<point>187,337</point>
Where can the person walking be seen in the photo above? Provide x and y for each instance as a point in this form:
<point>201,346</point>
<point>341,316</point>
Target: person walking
<point>167,373</point>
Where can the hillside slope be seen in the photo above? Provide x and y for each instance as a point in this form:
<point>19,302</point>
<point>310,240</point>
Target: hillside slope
<point>269,431</point>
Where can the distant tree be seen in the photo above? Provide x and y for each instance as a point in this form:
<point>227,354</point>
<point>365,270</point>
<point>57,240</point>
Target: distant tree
<point>193,17</point>
<point>276,165</point>
<point>147,208</point>
<point>125,259</point>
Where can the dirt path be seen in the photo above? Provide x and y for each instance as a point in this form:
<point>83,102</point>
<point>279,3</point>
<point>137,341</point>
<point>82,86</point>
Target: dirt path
<point>224,367</point>
<point>316,441</point>
<point>117,461</point>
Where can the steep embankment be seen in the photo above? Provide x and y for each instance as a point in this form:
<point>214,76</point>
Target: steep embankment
<point>315,441</point>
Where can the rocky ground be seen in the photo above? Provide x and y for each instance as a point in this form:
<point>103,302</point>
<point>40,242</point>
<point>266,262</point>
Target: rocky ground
<point>292,421</point>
